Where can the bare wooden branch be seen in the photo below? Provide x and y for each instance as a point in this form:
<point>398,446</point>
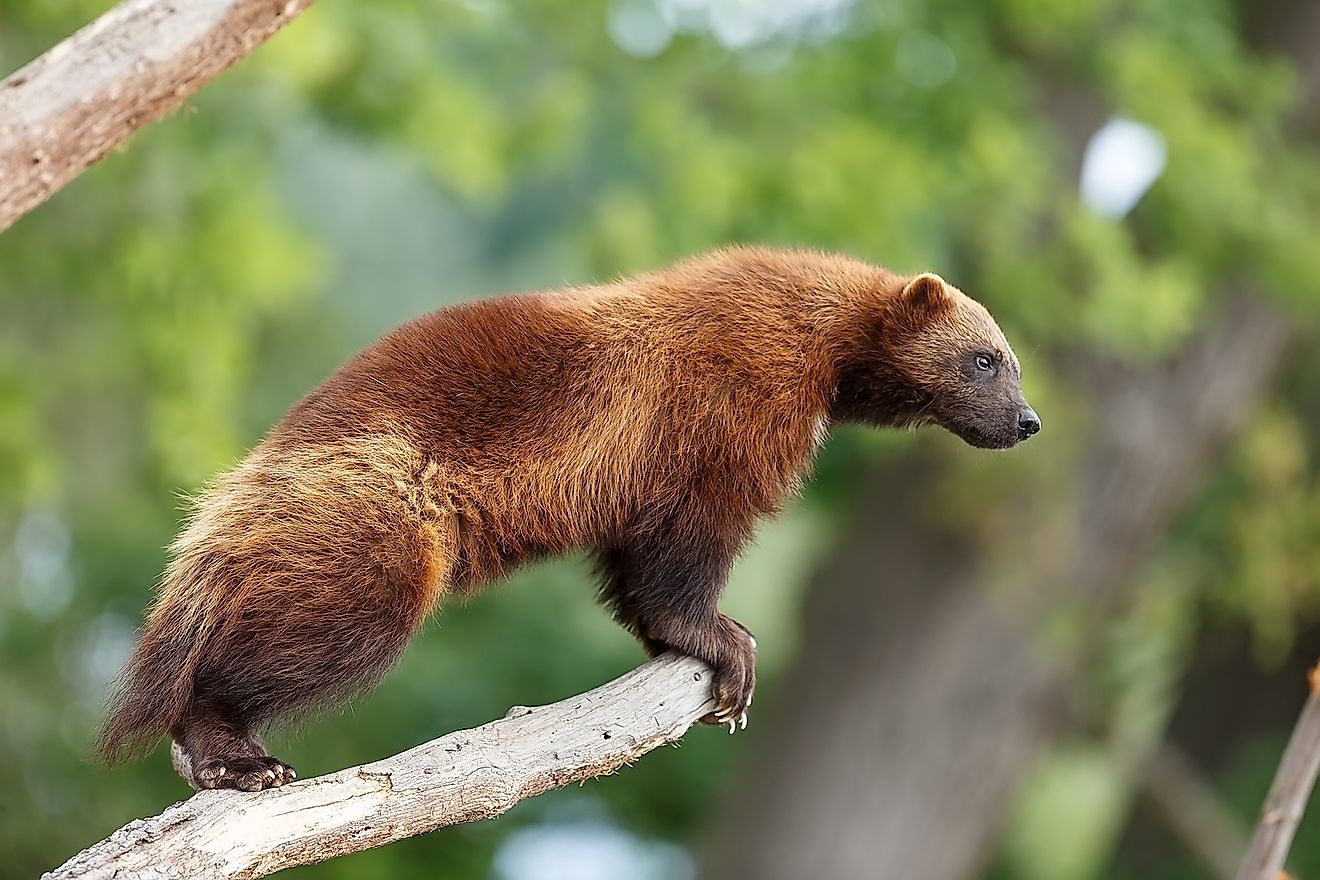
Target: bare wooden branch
<point>1286,802</point>
<point>65,110</point>
<point>462,777</point>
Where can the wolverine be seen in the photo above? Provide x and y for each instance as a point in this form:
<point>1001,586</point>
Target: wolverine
<point>650,422</point>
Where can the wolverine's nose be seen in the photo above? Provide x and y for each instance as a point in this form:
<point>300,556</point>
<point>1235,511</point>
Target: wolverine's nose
<point>1028,423</point>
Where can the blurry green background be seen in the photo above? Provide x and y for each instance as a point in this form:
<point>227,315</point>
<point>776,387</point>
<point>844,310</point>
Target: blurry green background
<point>1103,174</point>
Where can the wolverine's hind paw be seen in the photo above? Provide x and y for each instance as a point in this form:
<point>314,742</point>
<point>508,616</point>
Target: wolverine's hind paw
<point>244,773</point>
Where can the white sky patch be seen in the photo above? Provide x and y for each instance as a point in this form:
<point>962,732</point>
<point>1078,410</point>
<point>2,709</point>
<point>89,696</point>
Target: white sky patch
<point>1122,161</point>
<point>589,850</point>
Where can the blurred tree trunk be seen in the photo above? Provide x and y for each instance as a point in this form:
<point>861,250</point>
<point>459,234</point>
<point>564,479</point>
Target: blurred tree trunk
<point>929,678</point>
<point>1228,705</point>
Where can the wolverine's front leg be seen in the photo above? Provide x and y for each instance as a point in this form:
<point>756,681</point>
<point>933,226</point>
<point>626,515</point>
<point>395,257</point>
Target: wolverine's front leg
<point>665,590</point>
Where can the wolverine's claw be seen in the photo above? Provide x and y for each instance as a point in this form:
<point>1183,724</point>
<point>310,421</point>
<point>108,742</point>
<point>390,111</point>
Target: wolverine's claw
<point>245,773</point>
<point>742,722</point>
<point>732,723</point>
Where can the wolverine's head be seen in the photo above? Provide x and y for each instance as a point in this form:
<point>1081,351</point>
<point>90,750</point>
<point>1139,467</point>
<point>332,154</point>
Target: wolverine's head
<point>935,356</point>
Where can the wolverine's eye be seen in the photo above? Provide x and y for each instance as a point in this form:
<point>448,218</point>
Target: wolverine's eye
<point>983,363</point>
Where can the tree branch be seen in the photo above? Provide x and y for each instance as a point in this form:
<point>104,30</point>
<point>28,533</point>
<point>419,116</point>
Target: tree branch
<point>462,777</point>
<point>65,110</point>
<point>1286,802</point>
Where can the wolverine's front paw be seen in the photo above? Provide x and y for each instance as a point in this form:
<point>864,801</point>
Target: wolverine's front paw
<point>244,773</point>
<point>734,662</point>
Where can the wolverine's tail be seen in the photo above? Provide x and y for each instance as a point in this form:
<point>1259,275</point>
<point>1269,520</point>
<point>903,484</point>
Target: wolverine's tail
<point>154,691</point>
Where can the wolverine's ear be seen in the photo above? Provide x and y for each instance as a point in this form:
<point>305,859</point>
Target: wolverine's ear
<point>926,291</point>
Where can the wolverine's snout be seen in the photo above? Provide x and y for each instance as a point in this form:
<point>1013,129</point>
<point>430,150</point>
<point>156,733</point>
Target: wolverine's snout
<point>1028,423</point>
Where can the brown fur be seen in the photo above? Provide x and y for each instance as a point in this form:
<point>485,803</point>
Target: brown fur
<point>652,421</point>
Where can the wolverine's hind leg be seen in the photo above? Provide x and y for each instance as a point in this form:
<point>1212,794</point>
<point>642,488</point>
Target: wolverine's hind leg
<point>312,564</point>
<point>305,629</point>
<point>211,751</point>
<point>272,661</point>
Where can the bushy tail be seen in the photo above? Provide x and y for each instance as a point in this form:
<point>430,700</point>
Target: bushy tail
<point>155,688</point>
